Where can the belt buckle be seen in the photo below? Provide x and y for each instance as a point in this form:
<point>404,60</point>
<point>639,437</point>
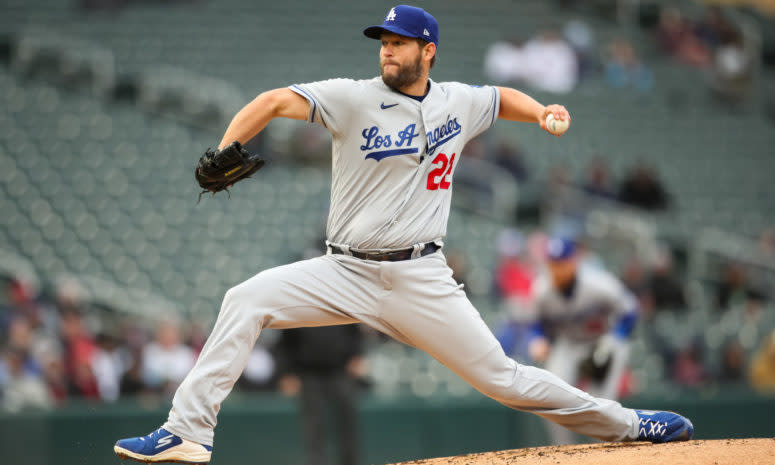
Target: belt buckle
<point>395,255</point>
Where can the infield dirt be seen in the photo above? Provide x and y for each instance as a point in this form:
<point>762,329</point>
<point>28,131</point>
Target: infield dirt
<point>715,452</point>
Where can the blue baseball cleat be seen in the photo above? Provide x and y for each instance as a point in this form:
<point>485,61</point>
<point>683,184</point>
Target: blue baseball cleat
<point>659,426</point>
<point>162,446</point>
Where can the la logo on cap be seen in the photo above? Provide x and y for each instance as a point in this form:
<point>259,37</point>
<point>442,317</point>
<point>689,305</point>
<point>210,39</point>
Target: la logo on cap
<point>391,15</point>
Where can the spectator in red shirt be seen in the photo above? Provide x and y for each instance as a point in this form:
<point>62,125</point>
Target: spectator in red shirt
<point>79,349</point>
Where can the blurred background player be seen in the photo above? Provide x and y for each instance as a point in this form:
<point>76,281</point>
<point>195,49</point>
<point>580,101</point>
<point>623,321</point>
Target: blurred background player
<point>584,316</point>
<point>323,365</point>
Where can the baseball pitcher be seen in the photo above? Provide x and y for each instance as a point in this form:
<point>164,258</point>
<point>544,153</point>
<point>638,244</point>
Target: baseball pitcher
<point>396,142</point>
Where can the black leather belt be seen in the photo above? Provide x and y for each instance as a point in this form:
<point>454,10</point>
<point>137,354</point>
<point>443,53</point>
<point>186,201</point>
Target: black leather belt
<point>392,256</point>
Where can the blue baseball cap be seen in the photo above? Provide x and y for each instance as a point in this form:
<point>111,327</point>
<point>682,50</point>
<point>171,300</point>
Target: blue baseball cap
<point>560,249</point>
<point>408,21</point>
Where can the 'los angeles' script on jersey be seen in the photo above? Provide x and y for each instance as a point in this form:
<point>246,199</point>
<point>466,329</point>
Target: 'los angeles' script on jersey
<point>442,134</point>
<point>379,145</point>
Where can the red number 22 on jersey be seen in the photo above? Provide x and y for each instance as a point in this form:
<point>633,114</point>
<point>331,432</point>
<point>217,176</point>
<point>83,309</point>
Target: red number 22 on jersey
<point>438,178</point>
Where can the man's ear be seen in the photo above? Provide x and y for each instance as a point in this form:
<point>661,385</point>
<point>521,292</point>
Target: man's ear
<point>429,51</point>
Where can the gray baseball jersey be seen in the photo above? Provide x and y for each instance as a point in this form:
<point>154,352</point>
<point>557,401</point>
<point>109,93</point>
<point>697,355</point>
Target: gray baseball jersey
<point>597,302</point>
<point>393,161</point>
<point>394,157</point>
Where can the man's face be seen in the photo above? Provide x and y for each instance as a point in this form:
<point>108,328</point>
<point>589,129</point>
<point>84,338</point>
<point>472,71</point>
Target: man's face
<point>400,60</point>
<point>562,271</point>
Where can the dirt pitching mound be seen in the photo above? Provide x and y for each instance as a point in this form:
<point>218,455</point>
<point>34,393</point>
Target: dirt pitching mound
<point>717,452</point>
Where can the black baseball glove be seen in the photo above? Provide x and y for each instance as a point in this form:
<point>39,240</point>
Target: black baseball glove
<point>220,169</point>
<point>598,362</point>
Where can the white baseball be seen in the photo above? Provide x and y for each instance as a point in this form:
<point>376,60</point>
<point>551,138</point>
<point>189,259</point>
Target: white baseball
<point>556,126</point>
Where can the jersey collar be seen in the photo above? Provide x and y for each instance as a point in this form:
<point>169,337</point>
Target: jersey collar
<point>431,87</point>
<point>420,98</point>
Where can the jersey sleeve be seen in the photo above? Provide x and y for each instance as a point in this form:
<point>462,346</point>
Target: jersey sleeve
<point>484,108</point>
<point>625,307</point>
<point>330,102</point>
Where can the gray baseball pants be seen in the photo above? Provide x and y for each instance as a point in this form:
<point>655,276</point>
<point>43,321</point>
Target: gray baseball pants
<point>564,361</point>
<point>414,301</point>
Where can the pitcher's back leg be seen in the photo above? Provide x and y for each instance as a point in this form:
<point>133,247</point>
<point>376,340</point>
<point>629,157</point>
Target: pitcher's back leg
<point>313,292</point>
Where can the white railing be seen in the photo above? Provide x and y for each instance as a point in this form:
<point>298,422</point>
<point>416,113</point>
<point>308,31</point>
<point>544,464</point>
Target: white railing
<point>713,246</point>
<point>69,60</point>
<point>180,94</point>
<point>486,189</point>
<point>14,265</point>
<point>100,291</point>
<point>603,220</point>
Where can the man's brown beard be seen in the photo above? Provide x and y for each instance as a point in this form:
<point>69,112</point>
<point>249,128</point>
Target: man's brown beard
<point>406,75</point>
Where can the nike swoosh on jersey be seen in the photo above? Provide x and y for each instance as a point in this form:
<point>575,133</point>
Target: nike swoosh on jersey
<point>385,107</point>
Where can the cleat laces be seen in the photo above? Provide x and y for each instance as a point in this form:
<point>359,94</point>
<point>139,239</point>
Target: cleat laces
<point>655,428</point>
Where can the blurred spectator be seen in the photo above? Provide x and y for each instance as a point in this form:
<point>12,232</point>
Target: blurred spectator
<point>733,364</point>
<point>714,28</point>
<point>762,372</point>
<point>545,62</point>
<point>641,188</point>
<point>664,287</point>
<point>623,69</point>
<point>108,366</point>
<point>42,357</point>
<point>166,360</point>
<point>134,339</point>
<point>21,302</point>
<point>503,60</point>
<point>22,387</point>
<point>733,69</point>
<point>514,276</point>
<point>676,37</point>
<point>688,369</point>
<point>597,182</point>
<point>549,63</point>
<point>132,382</point>
<point>20,337</point>
<point>735,288</point>
<point>581,37</point>
<point>259,371</point>
<point>322,365</point>
<point>509,158</point>
<point>196,336</point>
<point>69,295</point>
<point>55,377</point>
<point>79,350</point>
